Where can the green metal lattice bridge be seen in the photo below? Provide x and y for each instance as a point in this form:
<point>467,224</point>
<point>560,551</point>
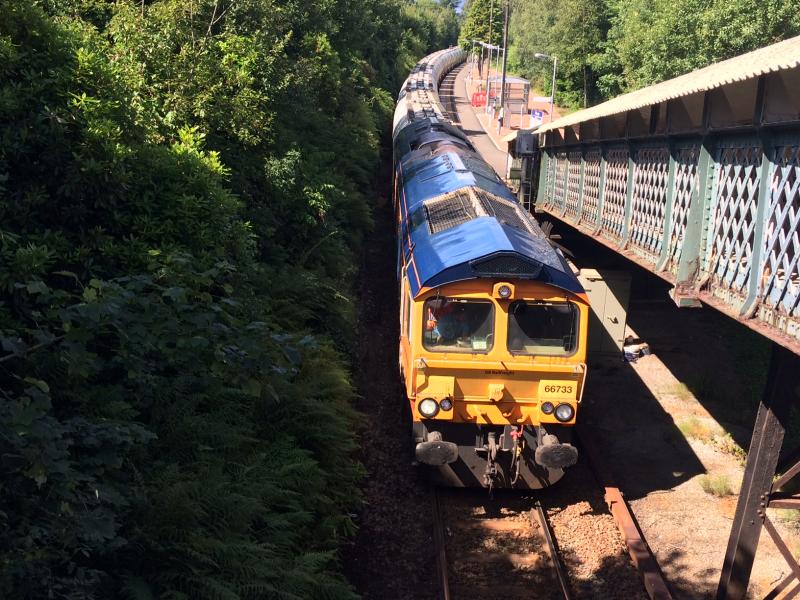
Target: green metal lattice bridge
<point>697,179</point>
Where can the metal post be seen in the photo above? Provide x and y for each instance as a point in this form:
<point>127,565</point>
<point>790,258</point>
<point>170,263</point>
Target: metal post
<point>762,459</point>
<point>668,208</point>
<point>553,89</point>
<point>629,191</point>
<point>496,68</point>
<point>691,262</point>
<point>579,211</point>
<point>505,60</point>
<point>489,64</point>
<point>488,70</point>
<point>601,193</point>
<point>766,169</point>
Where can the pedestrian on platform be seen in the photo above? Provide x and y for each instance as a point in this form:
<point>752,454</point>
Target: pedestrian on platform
<point>500,116</point>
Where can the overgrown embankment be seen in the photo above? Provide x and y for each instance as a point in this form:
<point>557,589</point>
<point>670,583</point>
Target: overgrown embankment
<point>183,187</point>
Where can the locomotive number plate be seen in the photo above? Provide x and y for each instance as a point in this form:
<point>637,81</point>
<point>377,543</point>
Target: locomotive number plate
<point>549,389</point>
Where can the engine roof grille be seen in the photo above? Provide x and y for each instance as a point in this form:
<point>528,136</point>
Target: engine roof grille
<point>462,205</point>
<point>448,211</point>
<point>508,213</point>
<point>479,167</point>
<point>506,265</point>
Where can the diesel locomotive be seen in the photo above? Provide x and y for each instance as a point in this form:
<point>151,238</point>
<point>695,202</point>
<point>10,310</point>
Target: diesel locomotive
<point>493,319</point>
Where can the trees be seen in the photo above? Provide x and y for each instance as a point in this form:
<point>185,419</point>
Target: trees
<point>607,47</point>
<point>183,191</point>
<point>653,41</point>
<point>572,30</point>
<point>475,23</point>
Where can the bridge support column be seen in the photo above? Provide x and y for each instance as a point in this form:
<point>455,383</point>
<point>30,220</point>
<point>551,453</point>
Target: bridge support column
<point>598,224</point>
<point>582,185</point>
<point>762,459</point>
<point>690,264</point>
<point>765,181</point>
<point>668,208</point>
<point>629,190</point>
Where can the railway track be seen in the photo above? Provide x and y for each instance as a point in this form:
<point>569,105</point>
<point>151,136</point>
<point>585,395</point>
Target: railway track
<point>496,548</point>
<point>585,544</point>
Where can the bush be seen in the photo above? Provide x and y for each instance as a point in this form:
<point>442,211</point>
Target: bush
<point>177,247</point>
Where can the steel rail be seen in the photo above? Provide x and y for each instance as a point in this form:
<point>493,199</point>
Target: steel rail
<point>539,516</point>
<point>640,553</point>
<point>438,540</point>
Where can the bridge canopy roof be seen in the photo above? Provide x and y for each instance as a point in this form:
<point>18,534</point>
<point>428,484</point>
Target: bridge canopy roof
<point>777,57</point>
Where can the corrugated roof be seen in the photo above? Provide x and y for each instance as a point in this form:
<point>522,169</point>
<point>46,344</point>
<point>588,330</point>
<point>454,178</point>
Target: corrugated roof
<point>509,79</point>
<point>777,57</point>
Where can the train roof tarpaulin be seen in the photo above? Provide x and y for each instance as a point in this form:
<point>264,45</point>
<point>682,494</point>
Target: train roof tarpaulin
<point>473,248</point>
<point>777,57</point>
<point>500,234</point>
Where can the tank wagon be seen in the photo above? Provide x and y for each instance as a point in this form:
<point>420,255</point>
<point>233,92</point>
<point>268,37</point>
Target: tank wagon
<point>493,319</point>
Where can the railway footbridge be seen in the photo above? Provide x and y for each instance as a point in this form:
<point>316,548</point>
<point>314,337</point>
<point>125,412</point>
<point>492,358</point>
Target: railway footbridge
<point>697,179</point>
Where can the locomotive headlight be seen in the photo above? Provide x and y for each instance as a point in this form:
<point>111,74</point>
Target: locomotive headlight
<point>548,408</point>
<point>428,408</point>
<point>504,291</point>
<point>446,404</point>
<point>564,412</point>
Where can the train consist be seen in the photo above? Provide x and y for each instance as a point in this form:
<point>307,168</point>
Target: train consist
<point>493,320</point>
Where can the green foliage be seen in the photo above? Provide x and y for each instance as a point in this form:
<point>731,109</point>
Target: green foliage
<point>571,30</point>
<point>479,16</point>
<point>608,47</point>
<point>183,190</point>
<point>653,41</point>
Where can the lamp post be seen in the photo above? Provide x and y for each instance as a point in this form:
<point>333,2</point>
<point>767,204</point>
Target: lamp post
<point>489,63</point>
<point>505,60</point>
<point>541,56</point>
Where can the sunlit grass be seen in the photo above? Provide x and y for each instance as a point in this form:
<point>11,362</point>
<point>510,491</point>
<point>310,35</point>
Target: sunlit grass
<point>696,429</point>
<point>716,485</point>
<point>680,391</point>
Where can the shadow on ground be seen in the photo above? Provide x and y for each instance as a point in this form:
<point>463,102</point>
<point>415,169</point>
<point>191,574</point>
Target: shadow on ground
<point>720,361</point>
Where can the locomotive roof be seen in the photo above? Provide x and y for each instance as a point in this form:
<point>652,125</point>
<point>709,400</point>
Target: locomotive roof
<point>460,222</point>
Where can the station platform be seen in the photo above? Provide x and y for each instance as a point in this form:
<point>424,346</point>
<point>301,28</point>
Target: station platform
<point>488,147</point>
<point>457,90</point>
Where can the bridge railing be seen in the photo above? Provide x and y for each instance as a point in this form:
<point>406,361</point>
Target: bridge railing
<point>697,179</point>
<point>717,215</point>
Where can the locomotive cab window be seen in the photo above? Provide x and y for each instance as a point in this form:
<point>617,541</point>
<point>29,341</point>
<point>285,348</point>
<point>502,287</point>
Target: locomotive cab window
<point>549,328</point>
<point>458,325</point>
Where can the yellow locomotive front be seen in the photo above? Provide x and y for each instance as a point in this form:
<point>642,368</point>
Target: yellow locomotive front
<point>494,372</point>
